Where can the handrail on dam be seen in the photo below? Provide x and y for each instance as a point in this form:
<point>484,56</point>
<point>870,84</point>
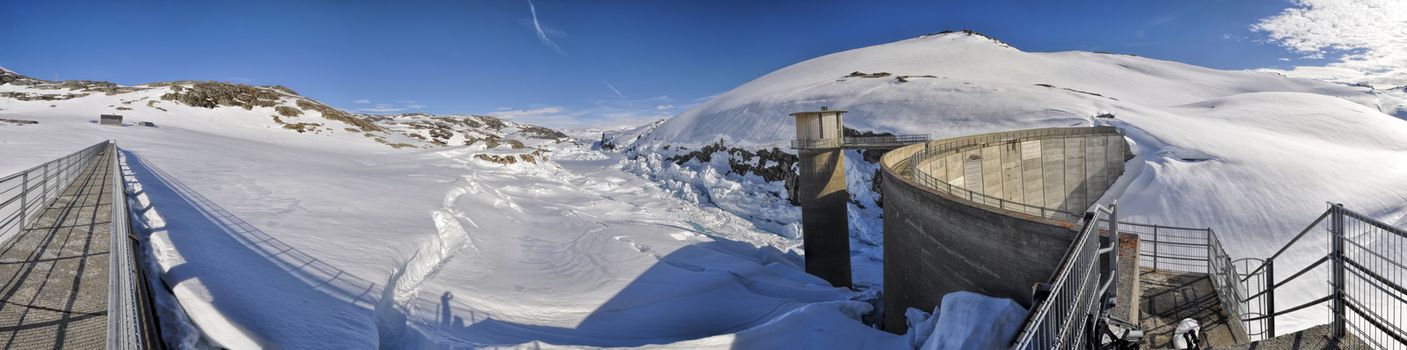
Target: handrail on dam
<point>1196,250</point>
<point>1061,320</point>
<point>23,195</point>
<point>69,196</point>
<point>1367,267</point>
<point>868,141</point>
<point>947,147</point>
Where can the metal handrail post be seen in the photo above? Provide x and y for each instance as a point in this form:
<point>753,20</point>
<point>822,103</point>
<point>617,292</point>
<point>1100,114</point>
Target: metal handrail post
<point>1155,247</point>
<point>1336,229</point>
<point>1270,297</point>
<point>1113,240</point>
<point>44,187</point>
<point>24,200</point>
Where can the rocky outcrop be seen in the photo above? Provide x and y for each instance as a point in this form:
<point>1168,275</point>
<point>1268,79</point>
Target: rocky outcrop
<point>769,164</point>
<point>210,94</point>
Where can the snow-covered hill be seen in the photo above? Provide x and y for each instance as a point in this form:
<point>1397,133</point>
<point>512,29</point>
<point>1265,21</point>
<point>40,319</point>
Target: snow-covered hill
<point>273,114</point>
<point>1254,155</point>
<point>274,221</point>
<point>956,83</point>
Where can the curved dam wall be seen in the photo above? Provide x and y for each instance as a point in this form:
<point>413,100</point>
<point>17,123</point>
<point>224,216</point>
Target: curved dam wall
<point>992,213</point>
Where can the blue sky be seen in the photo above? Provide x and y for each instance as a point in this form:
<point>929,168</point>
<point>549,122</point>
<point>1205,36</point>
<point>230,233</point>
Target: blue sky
<point>591,62</point>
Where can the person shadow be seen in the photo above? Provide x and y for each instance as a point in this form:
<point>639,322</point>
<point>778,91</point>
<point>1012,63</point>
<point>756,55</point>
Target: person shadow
<point>696,291</point>
<point>676,299</point>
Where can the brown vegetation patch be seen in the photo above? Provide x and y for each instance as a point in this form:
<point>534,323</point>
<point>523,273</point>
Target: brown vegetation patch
<point>539,132</point>
<point>211,94</point>
<point>508,158</point>
<point>20,122</point>
<point>23,96</point>
<point>858,74</point>
<point>338,115</point>
<point>288,111</point>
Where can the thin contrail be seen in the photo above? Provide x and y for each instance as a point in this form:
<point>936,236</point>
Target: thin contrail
<point>613,88</point>
<point>541,35</point>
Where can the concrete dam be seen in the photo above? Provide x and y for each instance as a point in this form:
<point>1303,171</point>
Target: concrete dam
<point>991,213</point>
<point>1018,215</point>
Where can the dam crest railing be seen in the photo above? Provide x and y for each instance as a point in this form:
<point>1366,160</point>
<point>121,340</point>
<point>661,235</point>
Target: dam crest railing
<point>1366,297</point>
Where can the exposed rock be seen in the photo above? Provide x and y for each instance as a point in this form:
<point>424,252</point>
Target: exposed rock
<point>288,111</point>
<point>539,132</point>
<point>210,94</point>
<point>769,164</point>
<point>24,96</point>
<point>20,122</point>
<point>338,115</point>
<point>508,158</point>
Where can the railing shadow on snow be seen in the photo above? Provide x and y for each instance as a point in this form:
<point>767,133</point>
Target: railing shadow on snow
<point>662,305</point>
<point>312,271</point>
<point>679,316</point>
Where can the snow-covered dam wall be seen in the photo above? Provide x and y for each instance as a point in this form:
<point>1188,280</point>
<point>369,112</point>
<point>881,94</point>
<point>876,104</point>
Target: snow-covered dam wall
<point>991,213</point>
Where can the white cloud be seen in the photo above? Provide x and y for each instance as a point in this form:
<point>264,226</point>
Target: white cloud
<point>381,108</point>
<point>1367,37</point>
<point>613,88</point>
<point>600,114</point>
<point>542,35</point>
<point>663,107</point>
<point>399,106</point>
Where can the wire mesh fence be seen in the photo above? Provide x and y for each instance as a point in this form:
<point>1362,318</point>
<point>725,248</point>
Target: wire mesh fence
<point>1364,261</point>
<point>26,193</point>
<point>945,147</point>
<point>1370,275</point>
<point>1062,319</point>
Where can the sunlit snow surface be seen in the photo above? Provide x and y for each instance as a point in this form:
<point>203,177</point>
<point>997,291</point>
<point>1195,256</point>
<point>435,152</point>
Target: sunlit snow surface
<point>273,238</point>
<point>1253,155</point>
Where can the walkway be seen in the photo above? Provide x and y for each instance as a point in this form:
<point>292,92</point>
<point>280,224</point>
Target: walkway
<point>1170,296</point>
<point>56,271</point>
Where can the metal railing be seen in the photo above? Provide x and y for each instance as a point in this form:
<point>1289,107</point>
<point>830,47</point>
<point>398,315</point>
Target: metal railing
<point>1062,319</point>
<point>1366,298</point>
<point>869,141</point>
<point>26,193</point>
<point>883,140</point>
<point>815,143</point>
<point>1197,250</point>
<point>128,309</point>
<point>946,147</point>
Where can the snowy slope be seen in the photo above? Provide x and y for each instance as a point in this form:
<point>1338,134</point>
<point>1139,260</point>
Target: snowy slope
<point>1253,155</point>
<point>327,238</point>
<point>976,83</point>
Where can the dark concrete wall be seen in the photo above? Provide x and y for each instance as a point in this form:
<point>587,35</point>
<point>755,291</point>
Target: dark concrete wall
<point>937,243</point>
<point>934,245</point>
<point>825,223</point>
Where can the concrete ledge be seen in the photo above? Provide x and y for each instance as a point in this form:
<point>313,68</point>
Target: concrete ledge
<point>1128,290</point>
<point>936,242</point>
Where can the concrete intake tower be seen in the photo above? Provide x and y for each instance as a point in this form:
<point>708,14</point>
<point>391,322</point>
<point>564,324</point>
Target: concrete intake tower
<point>820,143</point>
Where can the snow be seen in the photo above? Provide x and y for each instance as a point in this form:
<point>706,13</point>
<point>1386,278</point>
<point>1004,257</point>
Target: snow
<point>974,321</point>
<point>1253,155</point>
<point>266,237</point>
<point>272,238</point>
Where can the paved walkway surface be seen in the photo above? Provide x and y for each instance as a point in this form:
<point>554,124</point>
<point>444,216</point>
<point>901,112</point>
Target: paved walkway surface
<point>1171,296</point>
<point>56,271</point>
<point>1315,338</point>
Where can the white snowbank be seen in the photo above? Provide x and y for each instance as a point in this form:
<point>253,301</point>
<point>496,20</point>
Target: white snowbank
<point>1253,155</point>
